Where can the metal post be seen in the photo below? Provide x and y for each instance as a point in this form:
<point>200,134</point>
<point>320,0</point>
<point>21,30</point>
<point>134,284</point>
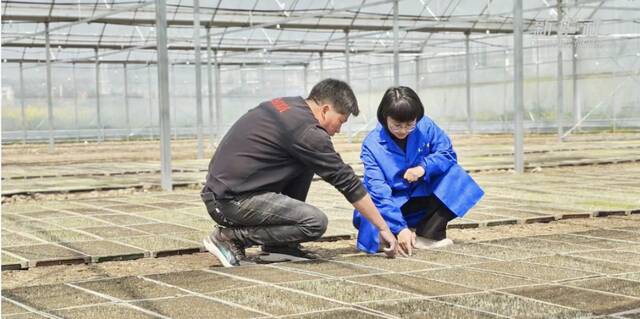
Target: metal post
<point>174,103</point>
<point>23,115</point>
<point>243,77</point>
<point>49,93</point>
<point>126,101</point>
<point>321,66</point>
<point>417,61</point>
<point>396,44</point>
<point>560,75</point>
<point>98,113</point>
<point>467,60</point>
<point>538,74</point>
<point>614,101</point>
<point>163,94</point>
<point>425,62</point>
<point>346,56</point>
<point>210,89</point>
<point>75,104</point>
<point>305,78</point>
<point>150,86</point>
<point>196,44</point>
<point>369,90</point>
<point>518,83</point>
<point>505,90</point>
<point>218,97</point>
<point>284,80</point>
<point>577,108</point>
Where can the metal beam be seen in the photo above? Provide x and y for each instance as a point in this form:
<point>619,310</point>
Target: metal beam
<point>49,93</point>
<point>278,24</point>
<point>436,29</point>
<point>518,84</point>
<point>267,25</point>
<point>163,95</point>
<point>186,48</point>
<point>396,44</point>
<point>423,28</point>
<point>72,21</point>
<point>198,66</point>
<point>145,62</point>
<point>251,26</point>
<point>430,27</point>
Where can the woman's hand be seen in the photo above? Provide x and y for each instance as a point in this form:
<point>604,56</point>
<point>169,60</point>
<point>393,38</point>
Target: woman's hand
<point>413,174</point>
<point>406,242</point>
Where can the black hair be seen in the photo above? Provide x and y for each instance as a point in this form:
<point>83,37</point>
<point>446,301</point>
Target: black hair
<point>400,103</point>
<point>337,93</point>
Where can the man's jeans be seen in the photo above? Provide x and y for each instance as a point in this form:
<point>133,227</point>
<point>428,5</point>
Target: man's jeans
<point>269,218</point>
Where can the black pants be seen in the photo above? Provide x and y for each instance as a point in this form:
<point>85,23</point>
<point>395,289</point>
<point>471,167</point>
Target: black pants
<point>268,218</point>
<point>434,224</point>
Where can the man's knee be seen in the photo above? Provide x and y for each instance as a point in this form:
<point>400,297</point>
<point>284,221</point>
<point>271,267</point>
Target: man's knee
<point>315,222</point>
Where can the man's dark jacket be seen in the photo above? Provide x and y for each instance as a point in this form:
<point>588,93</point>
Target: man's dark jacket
<point>273,144</point>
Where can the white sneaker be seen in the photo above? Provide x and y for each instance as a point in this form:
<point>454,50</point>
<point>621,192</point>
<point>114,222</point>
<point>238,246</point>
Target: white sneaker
<point>426,243</point>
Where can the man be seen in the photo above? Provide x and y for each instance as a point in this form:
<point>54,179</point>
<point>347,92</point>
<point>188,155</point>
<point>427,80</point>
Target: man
<point>261,172</point>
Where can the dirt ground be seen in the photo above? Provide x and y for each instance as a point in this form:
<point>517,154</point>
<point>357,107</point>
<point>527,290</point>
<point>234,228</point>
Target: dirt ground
<point>40,197</point>
<point>146,266</point>
<point>184,149</point>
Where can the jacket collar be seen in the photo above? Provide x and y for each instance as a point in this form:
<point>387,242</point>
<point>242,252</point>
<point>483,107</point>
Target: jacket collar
<point>384,138</point>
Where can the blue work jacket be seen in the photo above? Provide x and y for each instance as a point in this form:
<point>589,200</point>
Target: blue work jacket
<point>384,166</point>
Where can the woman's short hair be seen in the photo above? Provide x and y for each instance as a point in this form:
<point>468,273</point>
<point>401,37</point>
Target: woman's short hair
<point>402,104</point>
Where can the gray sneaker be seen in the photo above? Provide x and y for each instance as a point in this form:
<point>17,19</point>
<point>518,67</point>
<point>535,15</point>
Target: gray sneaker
<point>228,251</point>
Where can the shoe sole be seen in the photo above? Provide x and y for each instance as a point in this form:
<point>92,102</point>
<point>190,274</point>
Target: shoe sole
<point>304,256</point>
<point>214,250</point>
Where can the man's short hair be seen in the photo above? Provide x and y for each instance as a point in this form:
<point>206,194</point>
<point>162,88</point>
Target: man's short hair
<point>337,93</point>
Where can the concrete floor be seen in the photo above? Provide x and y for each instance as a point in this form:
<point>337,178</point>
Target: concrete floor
<point>494,270</point>
<point>590,273</point>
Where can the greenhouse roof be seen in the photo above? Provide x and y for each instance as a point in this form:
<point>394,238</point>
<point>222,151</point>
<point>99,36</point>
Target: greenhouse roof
<point>282,32</point>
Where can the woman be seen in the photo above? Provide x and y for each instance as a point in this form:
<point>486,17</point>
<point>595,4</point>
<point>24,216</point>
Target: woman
<point>411,172</point>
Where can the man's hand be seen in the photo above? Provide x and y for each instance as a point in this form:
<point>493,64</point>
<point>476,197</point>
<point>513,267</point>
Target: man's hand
<point>389,242</point>
<point>406,242</point>
<point>413,174</point>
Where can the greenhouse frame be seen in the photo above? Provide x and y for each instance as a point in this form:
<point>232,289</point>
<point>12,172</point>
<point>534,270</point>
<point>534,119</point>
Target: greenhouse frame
<point>96,70</point>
